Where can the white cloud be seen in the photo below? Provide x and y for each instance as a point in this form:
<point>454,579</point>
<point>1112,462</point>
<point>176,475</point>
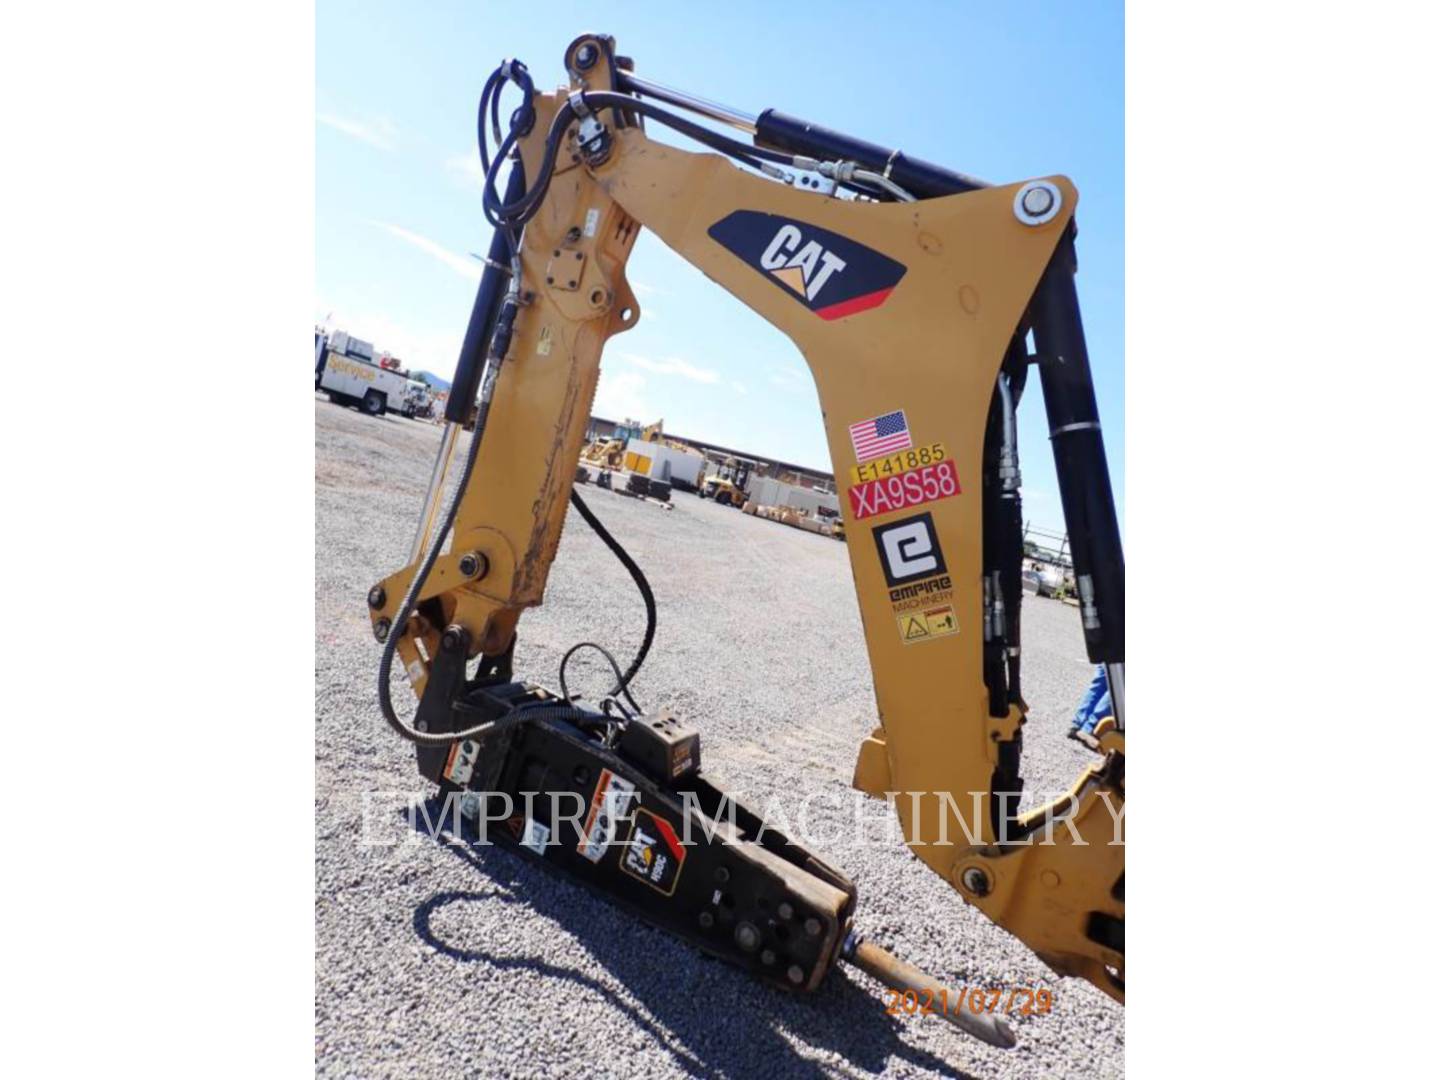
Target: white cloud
<point>738,386</point>
<point>674,366</point>
<point>466,168</point>
<point>463,265</point>
<point>379,133</point>
<point>788,378</point>
<point>639,288</point>
<point>621,395</point>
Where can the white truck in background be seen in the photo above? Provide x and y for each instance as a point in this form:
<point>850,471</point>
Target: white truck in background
<point>419,400</point>
<point>346,370</point>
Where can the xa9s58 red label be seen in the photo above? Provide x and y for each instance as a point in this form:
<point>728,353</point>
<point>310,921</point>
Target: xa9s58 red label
<point>913,488</point>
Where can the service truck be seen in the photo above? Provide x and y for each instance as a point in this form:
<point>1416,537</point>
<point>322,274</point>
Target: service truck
<point>346,370</point>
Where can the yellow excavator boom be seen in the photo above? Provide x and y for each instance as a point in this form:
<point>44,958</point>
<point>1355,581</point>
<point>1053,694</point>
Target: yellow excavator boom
<point>914,294</point>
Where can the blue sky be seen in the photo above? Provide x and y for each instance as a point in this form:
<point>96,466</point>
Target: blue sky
<point>1002,91</point>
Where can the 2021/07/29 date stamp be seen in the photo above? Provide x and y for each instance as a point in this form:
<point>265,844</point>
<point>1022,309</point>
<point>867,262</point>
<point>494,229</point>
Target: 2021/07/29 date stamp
<point>1020,1000</point>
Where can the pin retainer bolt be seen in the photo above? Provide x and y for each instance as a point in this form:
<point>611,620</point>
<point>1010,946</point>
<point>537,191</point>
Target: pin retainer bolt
<point>747,936</point>
<point>975,880</point>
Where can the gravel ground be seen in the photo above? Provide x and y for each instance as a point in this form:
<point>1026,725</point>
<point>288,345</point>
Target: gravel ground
<point>437,960</point>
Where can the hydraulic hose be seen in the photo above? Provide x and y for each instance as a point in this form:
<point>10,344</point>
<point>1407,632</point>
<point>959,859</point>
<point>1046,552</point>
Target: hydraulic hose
<point>643,585</point>
<point>514,214</point>
<point>407,605</point>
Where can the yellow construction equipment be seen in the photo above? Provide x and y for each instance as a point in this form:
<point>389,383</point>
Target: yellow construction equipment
<point>723,491</point>
<point>607,453</point>
<point>914,293</point>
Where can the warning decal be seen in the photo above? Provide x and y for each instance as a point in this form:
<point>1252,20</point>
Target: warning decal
<point>655,854</point>
<point>925,625</point>
<point>608,807</point>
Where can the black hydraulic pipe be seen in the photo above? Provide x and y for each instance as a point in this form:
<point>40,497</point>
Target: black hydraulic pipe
<point>486,309</point>
<point>992,558</point>
<point>778,131</point>
<point>1011,526</point>
<point>1079,449</point>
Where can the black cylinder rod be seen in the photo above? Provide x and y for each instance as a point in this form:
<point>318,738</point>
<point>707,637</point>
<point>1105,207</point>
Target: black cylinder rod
<point>1079,449</point>
<point>493,282</point>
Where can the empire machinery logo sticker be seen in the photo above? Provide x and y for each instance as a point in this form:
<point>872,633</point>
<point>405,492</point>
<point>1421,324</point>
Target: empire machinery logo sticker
<point>920,584</point>
<point>830,274</point>
<point>909,550</point>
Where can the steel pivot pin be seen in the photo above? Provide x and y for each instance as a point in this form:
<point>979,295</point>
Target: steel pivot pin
<point>1037,202</point>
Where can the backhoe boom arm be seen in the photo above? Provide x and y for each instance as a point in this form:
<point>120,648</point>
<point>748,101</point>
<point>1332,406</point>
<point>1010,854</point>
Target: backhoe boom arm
<point>914,301</point>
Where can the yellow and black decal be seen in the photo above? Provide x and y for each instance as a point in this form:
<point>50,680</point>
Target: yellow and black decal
<point>928,624</point>
<point>654,854</point>
<point>830,274</point>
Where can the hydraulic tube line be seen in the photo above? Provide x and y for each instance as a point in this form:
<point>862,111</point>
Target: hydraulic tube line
<point>436,489</point>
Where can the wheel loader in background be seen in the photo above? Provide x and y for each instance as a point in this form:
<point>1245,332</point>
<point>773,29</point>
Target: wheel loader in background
<point>915,294</point>
<point>609,451</point>
<point>606,453</point>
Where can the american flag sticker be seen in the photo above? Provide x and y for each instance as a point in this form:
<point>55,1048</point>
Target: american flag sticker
<point>880,435</point>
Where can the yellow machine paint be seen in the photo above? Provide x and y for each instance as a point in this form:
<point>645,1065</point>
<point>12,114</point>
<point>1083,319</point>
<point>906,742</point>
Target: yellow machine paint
<point>932,346</point>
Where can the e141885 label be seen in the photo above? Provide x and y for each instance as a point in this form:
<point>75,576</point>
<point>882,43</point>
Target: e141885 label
<point>895,464</point>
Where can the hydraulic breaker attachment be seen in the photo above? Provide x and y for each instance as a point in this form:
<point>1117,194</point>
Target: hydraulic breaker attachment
<point>636,822</point>
<point>621,807</point>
